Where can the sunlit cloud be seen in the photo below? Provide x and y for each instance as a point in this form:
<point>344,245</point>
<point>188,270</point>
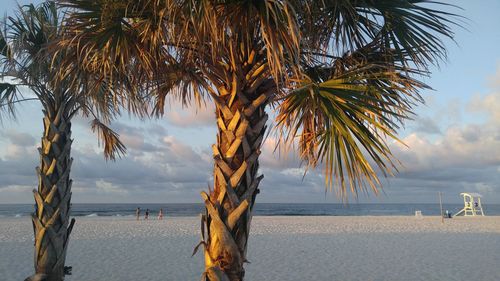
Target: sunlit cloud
<point>162,167</point>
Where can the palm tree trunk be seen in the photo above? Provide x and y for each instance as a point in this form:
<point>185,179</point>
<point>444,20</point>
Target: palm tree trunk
<point>51,217</point>
<point>241,125</point>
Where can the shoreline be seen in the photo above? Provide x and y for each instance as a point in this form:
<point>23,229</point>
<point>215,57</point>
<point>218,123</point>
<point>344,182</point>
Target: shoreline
<point>260,209</point>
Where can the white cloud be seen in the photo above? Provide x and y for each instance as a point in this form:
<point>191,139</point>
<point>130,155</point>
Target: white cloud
<point>488,104</point>
<point>294,172</point>
<point>18,188</point>
<point>191,116</point>
<point>426,125</point>
<point>464,157</point>
<point>159,167</point>
<point>132,141</point>
<point>19,138</point>
<point>107,187</point>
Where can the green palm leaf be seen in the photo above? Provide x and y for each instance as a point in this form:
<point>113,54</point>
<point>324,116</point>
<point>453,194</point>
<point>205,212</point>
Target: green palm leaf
<point>345,122</point>
<point>346,69</point>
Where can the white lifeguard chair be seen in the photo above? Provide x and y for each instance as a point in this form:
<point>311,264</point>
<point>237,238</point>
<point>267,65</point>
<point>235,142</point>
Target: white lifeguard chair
<point>472,205</point>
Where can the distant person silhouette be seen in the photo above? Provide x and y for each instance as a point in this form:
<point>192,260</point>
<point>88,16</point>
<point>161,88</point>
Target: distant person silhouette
<point>137,213</point>
<point>160,214</point>
<point>147,214</point>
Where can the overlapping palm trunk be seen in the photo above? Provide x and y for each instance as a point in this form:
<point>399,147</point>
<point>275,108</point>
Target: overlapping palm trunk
<point>51,217</point>
<point>241,122</point>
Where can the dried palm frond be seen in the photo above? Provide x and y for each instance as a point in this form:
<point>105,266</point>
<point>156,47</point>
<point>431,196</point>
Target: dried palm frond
<point>109,139</point>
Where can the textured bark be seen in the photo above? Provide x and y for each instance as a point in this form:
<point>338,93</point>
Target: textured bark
<point>241,122</point>
<point>51,217</point>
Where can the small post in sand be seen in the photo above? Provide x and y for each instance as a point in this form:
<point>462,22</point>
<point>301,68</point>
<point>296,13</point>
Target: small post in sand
<point>441,206</point>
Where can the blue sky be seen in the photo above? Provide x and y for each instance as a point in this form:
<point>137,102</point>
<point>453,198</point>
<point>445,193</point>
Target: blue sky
<point>453,143</point>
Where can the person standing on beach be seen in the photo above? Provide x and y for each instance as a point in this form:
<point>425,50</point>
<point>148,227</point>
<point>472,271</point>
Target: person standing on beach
<point>147,214</point>
<point>137,213</point>
<point>160,214</point>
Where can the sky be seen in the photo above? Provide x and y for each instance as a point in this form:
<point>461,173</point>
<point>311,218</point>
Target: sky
<point>452,145</point>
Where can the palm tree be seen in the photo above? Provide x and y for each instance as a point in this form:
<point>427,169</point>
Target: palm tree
<point>343,76</point>
<point>27,63</point>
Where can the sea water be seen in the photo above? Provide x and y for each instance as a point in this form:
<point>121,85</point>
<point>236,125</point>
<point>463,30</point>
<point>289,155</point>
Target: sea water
<point>260,209</point>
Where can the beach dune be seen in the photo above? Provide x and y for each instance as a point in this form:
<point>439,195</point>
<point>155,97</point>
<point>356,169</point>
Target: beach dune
<point>280,248</point>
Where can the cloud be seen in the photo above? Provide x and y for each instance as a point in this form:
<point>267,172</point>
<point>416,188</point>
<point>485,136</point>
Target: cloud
<point>489,105</point>
<point>426,125</point>
<point>455,158</point>
<point>276,157</point>
<point>19,138</point>
<point>157,130</point>
<point>17,188</point>
<point>464,157</point>
<point>17,145</point>
<point>159,167</point>
<point>165,163</point>
<point>191,116</point>
<point>18,171</point>
<point>107,187</point>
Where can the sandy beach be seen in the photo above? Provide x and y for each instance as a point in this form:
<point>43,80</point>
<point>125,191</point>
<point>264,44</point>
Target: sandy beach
<point>280,248</point>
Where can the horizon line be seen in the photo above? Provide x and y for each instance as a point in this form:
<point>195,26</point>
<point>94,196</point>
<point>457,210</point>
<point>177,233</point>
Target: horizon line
<point>201,203</point>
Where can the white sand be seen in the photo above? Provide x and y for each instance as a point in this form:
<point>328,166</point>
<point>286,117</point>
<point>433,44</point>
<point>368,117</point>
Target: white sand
<point>281,248</point>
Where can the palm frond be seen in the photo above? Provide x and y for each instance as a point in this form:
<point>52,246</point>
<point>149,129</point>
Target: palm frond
<point>110,44</point>
<point>5,48</point>
<point>333,26</point>
<point>107,38</point>
<point>359,60</point>
<point>281,33</point>
<point>109,139</point>
<point>9,96</point>
<point>343,71</point>
<point>25,37</point>
<point>28,41</point>
<point>413,30</point>
<point>182,84</point>
<point>31,29</point>
<point>337,121</point>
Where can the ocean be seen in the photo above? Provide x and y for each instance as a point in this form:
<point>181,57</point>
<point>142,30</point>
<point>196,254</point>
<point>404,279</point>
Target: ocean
<point>261,209</point>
